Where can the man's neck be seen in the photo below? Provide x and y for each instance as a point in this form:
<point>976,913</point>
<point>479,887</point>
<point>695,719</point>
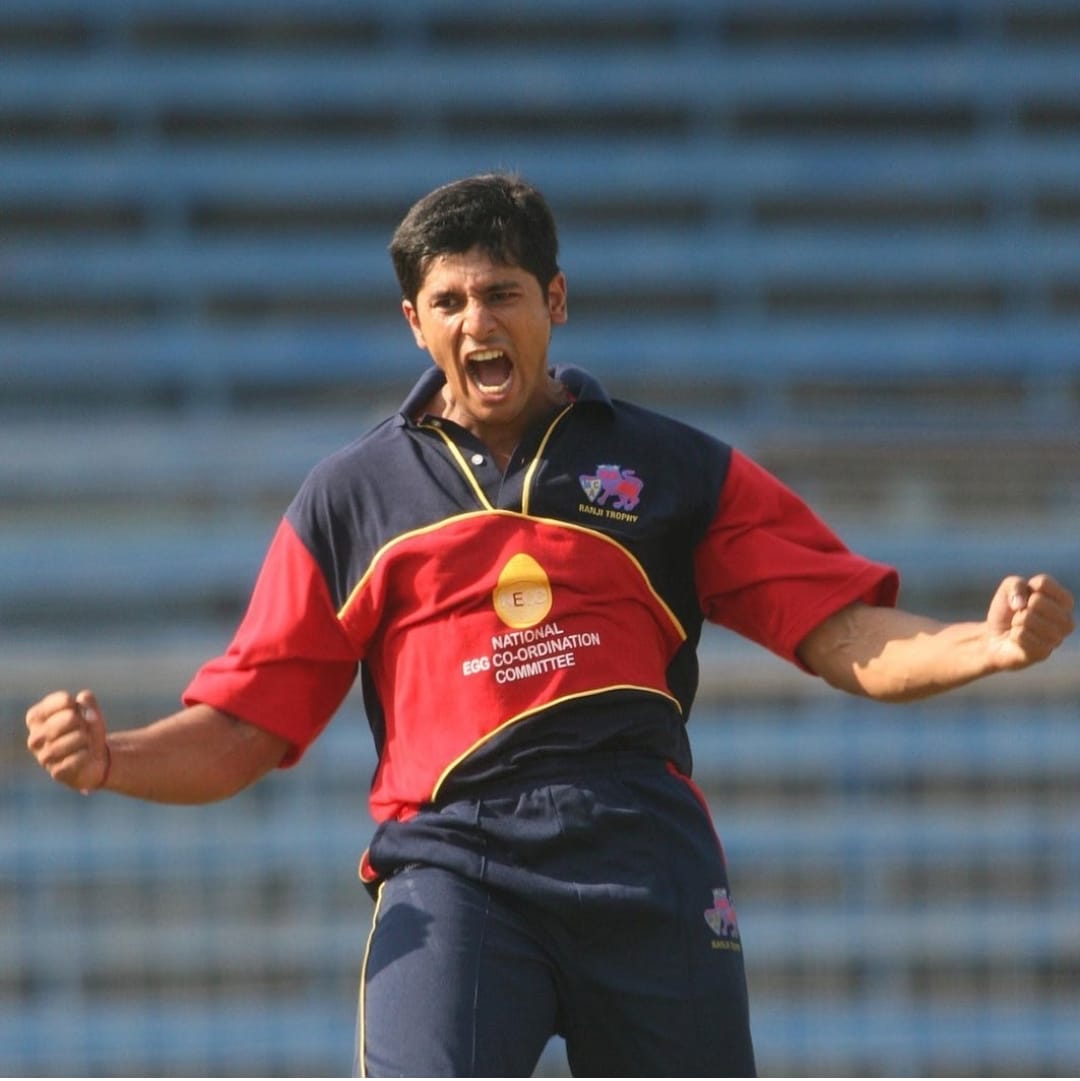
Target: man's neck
<point>500,440</point>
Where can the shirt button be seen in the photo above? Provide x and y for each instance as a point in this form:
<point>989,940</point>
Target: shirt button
<point>477,459</point>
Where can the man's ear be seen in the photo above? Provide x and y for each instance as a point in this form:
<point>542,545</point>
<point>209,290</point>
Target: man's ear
<point>556,297</point>
<point>409,311</point>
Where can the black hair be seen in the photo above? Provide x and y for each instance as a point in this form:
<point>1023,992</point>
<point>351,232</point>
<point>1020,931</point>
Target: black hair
<point>501,213</point>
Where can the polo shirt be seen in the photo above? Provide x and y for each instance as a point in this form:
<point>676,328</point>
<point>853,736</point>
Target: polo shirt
<point>500,619</point>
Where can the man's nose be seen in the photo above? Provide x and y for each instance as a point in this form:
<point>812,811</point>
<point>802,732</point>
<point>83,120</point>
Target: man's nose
<point>478,320</point>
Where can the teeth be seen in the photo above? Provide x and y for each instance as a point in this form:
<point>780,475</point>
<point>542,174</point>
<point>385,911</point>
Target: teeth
<point>482,375</point>
<point>492,388</point>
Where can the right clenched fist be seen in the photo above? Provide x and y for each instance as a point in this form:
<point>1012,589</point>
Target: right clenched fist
<point>67,737</point>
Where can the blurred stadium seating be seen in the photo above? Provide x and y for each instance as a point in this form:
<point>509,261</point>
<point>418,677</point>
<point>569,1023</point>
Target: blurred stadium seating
<point>843,236</point>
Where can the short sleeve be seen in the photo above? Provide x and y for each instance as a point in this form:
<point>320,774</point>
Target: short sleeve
<point>771,570</point>
<point>290,664</point>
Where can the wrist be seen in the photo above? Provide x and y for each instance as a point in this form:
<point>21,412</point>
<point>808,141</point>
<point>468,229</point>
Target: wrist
<point>104,776</point>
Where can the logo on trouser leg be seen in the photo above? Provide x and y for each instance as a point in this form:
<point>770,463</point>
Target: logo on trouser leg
<point>722,922</point>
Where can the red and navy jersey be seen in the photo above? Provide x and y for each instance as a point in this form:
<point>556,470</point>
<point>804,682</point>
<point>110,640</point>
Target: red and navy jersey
<point>498,617</point>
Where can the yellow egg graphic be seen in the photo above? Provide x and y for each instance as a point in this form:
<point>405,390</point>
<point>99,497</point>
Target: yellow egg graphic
<point>522,594</point>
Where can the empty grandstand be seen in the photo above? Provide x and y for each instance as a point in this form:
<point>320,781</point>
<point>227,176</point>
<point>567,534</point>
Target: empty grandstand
<point>843,236</point>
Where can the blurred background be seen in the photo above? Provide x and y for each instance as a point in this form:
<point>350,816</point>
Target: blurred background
<point>844,236</point>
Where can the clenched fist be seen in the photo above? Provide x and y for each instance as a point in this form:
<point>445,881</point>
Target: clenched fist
<point>1028,619</point>
<point>67,737</point>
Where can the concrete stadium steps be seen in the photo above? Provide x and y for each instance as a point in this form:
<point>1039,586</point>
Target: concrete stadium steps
<point>295,1034</point>
<point>210,265</point>
<point>203,1035</point>
<point>193,98</point>
<point>711,268</point>
<point>117,463</point>
<point>845,237</point>
<point>263,189</point>
<point>163,916</point>
<point>968,472</point>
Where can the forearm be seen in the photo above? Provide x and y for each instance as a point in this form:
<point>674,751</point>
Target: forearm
<point>198,755</point>
<point>896,656</point>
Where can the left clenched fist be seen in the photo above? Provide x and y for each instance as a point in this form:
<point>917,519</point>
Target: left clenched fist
<point>1027,620</point>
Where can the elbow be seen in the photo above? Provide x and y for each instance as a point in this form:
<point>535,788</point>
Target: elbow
<point>866,680</point>
<point>888,688</point>
<point>247,754</point>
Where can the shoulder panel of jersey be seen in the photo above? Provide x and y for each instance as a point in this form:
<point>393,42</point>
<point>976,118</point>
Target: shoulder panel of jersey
<point>772,570</point>
<point>290,664</point>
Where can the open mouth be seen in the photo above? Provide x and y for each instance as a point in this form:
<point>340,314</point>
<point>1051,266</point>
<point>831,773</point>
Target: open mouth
<point>489,370</point>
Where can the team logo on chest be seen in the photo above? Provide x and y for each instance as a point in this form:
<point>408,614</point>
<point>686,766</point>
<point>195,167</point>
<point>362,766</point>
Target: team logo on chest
<point>611,482</point>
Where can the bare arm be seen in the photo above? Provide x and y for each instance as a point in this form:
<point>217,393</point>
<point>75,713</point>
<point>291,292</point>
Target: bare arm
<point>198,755</point>
<point>896,656</point>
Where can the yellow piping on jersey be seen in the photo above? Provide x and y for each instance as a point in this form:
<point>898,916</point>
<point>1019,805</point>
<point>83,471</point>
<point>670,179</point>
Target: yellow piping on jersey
<point>540,709</point>
<point>400,539</point>
<point>470,476</point>
<point>534,464</point>
<point>554,522</point>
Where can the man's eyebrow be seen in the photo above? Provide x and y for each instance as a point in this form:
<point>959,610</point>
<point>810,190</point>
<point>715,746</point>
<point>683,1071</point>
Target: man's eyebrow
<point>500,285</point>
<point>444,294</point>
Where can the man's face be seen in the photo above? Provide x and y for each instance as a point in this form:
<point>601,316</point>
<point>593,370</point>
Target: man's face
<point>487,326</point>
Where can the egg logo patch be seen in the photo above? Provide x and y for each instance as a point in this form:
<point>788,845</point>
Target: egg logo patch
<point>522,595</point>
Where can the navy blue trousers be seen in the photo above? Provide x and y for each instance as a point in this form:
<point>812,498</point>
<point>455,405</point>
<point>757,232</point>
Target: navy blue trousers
<point>597,908</point>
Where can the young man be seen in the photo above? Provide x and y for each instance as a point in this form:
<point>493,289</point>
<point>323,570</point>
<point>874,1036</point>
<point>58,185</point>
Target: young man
<point>521,566</point>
